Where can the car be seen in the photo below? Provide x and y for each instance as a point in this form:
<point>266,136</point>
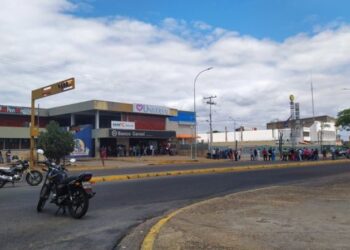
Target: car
<point>343,152</point>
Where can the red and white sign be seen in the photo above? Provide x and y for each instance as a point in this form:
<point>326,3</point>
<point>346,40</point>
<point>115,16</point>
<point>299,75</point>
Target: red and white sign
<point>122,125</point>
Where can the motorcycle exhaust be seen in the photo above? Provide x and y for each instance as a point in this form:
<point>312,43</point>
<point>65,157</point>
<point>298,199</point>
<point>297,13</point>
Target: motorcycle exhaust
<point>6,178</point>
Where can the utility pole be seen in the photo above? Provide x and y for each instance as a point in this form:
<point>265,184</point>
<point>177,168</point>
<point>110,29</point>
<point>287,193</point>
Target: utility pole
<point>312,99</point>
<point>210,102</point>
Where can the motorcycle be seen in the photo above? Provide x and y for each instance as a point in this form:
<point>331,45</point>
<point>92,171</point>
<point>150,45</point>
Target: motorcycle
<point>16,172</point>
<point>72,192</point>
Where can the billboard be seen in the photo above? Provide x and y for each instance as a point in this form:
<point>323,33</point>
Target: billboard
<point>82,141</point>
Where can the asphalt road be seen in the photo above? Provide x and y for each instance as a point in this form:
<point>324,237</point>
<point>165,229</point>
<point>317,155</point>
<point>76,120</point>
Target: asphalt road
<point>119,206</point>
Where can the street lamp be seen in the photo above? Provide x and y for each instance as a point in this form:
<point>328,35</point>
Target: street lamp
<point>194,154</point>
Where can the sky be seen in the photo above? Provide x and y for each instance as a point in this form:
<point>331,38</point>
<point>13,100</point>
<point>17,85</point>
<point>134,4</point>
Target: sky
<point>151,51</point>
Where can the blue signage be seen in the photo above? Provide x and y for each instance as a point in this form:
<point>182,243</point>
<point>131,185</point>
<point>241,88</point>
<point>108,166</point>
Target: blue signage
<point>82,141</point>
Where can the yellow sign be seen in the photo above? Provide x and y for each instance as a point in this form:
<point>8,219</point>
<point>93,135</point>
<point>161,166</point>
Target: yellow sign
<point>53,89</point>
<point>34,132</point>
<point>291,98</point>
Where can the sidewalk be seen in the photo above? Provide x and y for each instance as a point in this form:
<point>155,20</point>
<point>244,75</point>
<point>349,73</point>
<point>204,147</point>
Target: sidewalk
<point>310,215</point>
<point>124,162</point>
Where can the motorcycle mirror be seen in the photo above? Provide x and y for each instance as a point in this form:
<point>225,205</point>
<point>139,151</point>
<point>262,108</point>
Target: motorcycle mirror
<point>72,160</point>
<point>40,151</point>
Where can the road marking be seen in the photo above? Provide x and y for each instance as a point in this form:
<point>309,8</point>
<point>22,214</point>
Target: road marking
<point>148,241</point>
<point>109,178</point>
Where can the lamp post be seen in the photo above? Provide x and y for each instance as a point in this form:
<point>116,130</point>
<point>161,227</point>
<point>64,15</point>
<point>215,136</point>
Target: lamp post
<point>194,154</point>
<point>234,131</point>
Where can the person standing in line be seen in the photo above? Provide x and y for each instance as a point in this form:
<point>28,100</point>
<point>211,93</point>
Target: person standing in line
<point>324,154</point>
<point>255,154</point>
<point>264,153</point>
<point>270,153</point>
<point>236,155</point>
<point>273,154</point>
<point>251,155</point>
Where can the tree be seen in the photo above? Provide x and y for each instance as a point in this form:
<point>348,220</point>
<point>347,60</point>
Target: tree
<point>344,119</point>
<point>56,142</point>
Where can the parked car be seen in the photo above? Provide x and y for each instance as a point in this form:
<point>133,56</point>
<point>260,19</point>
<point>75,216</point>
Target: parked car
<point>343,152</point>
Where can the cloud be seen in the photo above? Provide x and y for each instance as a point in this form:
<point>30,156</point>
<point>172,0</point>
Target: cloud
<point>125,60</point>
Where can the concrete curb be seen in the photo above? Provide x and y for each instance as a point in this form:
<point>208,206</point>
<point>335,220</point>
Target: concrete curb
<point>212,170</point>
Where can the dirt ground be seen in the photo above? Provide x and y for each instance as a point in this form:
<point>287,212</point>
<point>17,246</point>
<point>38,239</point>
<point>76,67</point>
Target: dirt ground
<point>309,215</point>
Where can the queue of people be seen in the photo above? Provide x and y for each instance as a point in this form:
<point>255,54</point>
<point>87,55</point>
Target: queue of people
<point>272,154</point>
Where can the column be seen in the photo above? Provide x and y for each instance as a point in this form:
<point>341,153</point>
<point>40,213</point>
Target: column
<point>97,119</point>
<point>72,119</point>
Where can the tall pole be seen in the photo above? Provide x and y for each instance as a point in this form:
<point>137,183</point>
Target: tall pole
<point>32,133</point>
<point>234,135</point>
<point>312,99</point>
<point>194,154</point>
<point>292,120</point>
<point>210,102</point>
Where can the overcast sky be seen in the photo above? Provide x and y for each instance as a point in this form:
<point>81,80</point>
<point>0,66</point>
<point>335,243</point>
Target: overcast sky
<point>125,58</point>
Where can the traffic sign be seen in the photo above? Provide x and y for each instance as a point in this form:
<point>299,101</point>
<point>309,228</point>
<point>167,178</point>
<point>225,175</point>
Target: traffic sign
<point>53,89</point>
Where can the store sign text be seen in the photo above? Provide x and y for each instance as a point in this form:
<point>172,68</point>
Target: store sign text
<point>15,110</point>
<point>122,125</point>
<point>141,133</point>
<point>151,109</point>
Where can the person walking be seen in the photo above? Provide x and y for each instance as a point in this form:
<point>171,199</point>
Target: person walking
<point>8,156</point>
<point>103,154</point>
<point>1,158</point>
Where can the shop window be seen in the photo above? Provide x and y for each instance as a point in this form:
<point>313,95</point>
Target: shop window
<point>12,143</point>
<point>25,143</point>
<point>1,144</point>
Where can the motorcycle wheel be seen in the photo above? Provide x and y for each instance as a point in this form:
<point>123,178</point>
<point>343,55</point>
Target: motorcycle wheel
<point>2,183</point>
<point>34,178</point>
<point>79,203</point>
<point>44,195</point>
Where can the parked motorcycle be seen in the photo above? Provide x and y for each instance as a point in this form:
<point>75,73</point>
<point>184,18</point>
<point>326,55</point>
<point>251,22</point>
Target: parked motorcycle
<point>72,192</point>
<point>16,172</point>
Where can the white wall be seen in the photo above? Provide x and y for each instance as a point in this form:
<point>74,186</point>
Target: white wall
<point>329,134</point>
<point>252,135</point>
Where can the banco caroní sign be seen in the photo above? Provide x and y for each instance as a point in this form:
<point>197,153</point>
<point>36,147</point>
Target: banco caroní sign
<point>142,134</point>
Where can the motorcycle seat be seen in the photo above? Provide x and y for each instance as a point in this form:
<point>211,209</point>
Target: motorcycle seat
<point>69,179</point>
<point>6,171</point>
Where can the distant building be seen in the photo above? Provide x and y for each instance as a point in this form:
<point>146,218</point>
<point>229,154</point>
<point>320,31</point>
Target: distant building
<point>315,131</point>
<point>117,126</point>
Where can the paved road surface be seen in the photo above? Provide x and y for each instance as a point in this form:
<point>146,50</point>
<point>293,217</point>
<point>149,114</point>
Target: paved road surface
<point>119,206</point>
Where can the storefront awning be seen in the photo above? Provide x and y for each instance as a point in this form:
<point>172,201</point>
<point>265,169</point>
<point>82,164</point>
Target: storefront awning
<point>184,136</point>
